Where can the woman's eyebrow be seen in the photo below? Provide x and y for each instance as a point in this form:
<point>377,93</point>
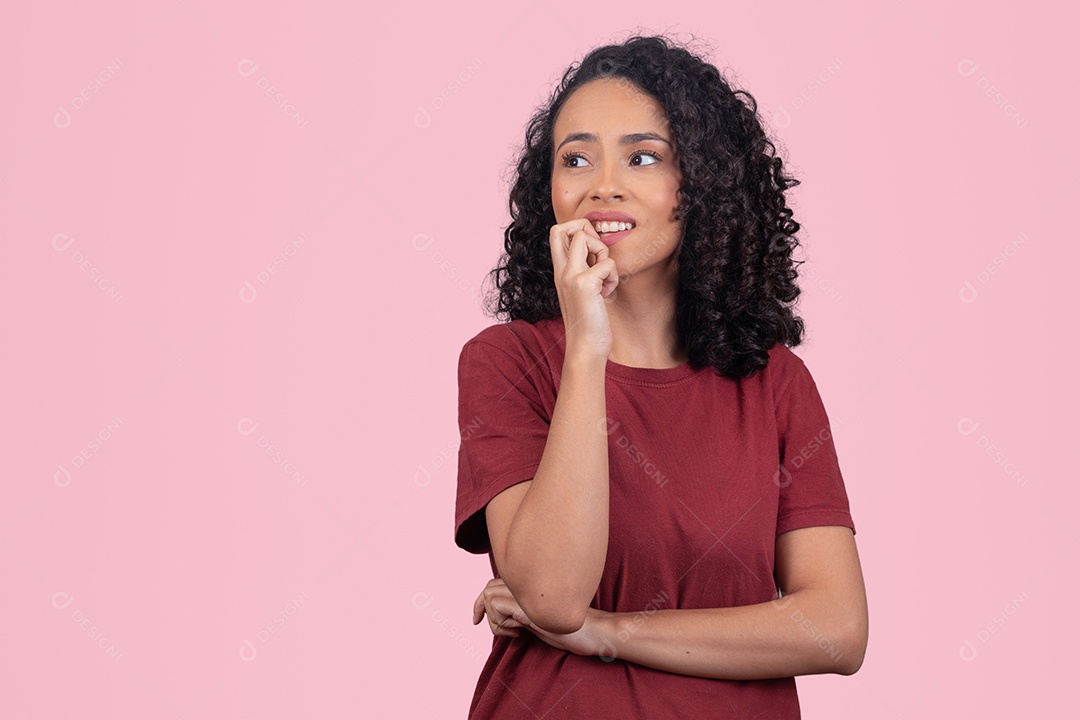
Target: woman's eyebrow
<point>630,139</point>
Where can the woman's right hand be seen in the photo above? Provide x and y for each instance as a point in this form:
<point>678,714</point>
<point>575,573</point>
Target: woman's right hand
<point>505,616</point>
<point>584,278</point>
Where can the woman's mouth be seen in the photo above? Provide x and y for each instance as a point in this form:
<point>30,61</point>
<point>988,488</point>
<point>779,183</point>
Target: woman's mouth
<point>612,232</point>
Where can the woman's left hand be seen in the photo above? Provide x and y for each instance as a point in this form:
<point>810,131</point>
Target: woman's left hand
<point>497,601</point>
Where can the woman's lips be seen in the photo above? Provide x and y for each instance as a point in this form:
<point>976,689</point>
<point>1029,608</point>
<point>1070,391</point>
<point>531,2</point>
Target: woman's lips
<point>610,239</point>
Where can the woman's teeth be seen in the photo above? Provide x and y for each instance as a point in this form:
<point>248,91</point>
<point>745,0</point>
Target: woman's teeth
<point>606,228</point>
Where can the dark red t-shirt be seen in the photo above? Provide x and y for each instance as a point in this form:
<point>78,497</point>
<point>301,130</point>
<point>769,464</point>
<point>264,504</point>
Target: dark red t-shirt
<point>705,471</point>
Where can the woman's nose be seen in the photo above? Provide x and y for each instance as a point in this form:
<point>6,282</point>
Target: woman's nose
<point>608,181</point>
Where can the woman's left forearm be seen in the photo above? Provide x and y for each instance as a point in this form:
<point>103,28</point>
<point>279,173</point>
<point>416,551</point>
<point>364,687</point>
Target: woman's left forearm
<point>799,634</point>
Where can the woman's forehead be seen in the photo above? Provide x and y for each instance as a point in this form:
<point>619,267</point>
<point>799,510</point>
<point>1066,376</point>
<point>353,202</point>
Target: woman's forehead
<point>607,107</point>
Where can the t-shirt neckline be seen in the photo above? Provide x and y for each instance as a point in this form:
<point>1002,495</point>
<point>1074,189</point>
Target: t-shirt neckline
<point>629,373</point>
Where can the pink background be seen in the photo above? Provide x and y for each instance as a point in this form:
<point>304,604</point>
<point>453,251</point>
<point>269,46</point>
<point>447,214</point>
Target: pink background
<point>231,323</point>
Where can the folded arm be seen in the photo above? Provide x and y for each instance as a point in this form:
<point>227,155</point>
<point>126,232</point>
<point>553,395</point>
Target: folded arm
<point>820,625</point>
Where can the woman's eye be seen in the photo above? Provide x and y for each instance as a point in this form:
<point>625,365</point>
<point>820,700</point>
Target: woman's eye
<point>653,159</point>
<point>568,157</point>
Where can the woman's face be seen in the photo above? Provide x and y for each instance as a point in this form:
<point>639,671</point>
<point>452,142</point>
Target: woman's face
<point>614,153</point>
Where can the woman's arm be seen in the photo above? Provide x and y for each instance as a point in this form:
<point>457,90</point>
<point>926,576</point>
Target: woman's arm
<point>820,625</point>
<point>549,535</point>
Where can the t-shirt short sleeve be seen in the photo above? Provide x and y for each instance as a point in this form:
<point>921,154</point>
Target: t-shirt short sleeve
<point>504,427</point>
<point>811,486</point>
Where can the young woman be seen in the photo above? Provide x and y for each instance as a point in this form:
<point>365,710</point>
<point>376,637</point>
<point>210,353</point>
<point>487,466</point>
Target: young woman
<point>648,465</point>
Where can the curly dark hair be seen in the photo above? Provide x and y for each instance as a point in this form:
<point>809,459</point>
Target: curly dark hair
<point>737,277</point>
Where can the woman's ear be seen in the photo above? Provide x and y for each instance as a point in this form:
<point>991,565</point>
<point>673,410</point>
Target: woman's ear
<point>680,208</point>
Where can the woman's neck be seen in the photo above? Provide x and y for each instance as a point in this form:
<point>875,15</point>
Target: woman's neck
<point>643,327</point>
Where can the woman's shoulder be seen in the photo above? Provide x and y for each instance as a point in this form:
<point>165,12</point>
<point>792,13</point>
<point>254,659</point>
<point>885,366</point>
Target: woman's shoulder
<point>782,356</point>
<point>520,338</point>
<point>784,365</point>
